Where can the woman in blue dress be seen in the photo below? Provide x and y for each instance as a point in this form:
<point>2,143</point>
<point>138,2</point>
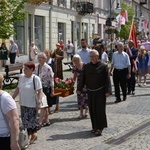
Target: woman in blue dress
<point>143,59</point>
<point>51,63</point>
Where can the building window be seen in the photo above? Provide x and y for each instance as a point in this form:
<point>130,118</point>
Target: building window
<point>93,30</point>
<point>20,36</point>
<point>29,30</point>
<point>99,29</point>
<point>86,31</point>
<point>78,33</point>
<point>39,32</point>
<point>61,32</point>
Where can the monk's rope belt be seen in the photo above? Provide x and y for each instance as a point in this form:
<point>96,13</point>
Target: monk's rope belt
<point>96,89</point>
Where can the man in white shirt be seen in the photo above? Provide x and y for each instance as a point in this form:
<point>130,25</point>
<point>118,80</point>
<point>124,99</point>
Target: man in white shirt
<point>84,51</point>
<point>121,68</point>
<point>69,51</point>
<point>13,51</point>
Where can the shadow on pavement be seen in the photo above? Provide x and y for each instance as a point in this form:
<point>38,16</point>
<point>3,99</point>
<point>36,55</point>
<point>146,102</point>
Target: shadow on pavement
<point>110,103</point>
<point>57,120</point>
<point>75,135</point>
<point>137,95</point>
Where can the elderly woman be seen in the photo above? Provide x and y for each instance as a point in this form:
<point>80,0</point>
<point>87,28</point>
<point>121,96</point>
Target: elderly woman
<point>44,71</point>
<point>50,61</point>
<point>82,98</point>
<point>29,105</point>
<point>143,59</point>
<point>8,135</point>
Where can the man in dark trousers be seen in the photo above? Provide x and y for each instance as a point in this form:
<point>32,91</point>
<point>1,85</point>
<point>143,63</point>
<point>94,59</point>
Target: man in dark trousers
<point>97,80</point>
<point>133,53</point>
<point>13,51</point>
<point>121,71</point>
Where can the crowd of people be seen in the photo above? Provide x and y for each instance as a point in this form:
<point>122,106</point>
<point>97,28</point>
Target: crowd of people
<point>91,62</point>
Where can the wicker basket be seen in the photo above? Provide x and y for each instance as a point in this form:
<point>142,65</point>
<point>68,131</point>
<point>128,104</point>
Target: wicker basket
<point>63,92</point>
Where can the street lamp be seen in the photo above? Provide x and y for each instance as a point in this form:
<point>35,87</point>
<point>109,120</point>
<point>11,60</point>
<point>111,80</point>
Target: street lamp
<point>112,17</point>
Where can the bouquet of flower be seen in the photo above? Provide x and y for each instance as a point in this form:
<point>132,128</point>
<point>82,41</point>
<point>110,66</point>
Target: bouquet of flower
<point>68,83</point>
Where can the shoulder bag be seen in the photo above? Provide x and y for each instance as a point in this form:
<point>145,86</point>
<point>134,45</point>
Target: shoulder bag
<point>44,98</point>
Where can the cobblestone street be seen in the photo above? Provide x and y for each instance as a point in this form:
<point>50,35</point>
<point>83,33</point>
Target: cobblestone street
<point>128,125</point>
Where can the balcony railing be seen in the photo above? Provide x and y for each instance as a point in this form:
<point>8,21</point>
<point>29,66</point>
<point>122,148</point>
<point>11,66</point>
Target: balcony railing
<point>61,2</point>
<point>73,4</point>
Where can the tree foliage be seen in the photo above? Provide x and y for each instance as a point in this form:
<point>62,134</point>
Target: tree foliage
<point>125,29</point>
<point>11,11</point>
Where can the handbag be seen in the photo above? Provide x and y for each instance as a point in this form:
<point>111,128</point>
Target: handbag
<point>23,134</point>
<point>43,103</point>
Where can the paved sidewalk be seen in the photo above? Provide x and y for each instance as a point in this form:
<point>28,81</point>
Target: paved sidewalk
<point>67,132</point>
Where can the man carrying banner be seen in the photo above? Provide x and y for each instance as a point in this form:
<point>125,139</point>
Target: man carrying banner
<point>133,53</point>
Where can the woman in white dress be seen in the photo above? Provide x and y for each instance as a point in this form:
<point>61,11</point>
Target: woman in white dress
<point>33,51</point>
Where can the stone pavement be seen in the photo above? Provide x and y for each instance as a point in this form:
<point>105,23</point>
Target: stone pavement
<point>128,125</point>
<point>67,132</point>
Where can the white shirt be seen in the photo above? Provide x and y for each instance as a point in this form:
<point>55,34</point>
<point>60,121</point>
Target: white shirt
<point>7,104</point>
<point>26,90</point>
<point>13,48</point>
<point>104,57</point>
<point>69,48</point>
<point>120,60</point>
<point>84,54</point>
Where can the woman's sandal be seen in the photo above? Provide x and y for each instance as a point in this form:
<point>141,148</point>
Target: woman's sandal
<point>46,124</point>
<point>98,132</point>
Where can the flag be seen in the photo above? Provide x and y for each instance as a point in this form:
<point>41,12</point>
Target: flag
<point>132,35</point>
<point>125,15</point>
<point>133,62</point>
<point>141,25</point>
<point>145,26</point>
<point>122,19</point>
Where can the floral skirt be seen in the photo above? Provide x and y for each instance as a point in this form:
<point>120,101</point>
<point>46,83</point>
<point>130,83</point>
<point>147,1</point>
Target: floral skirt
<point>83,98</point>
<point>29,117</point>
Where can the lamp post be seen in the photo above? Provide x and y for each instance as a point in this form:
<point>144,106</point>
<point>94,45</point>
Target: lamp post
<point>111,18</point>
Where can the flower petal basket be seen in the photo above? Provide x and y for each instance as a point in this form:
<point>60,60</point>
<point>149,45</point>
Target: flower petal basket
<point>63,88</point>
<point>63,92</point>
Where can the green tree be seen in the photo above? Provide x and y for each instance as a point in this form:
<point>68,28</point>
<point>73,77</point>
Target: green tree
<point>11,11</point>
<point>125,29</point>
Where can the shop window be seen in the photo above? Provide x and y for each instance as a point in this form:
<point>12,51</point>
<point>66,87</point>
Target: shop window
<point>39,32</point>
<point>19,37</point>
